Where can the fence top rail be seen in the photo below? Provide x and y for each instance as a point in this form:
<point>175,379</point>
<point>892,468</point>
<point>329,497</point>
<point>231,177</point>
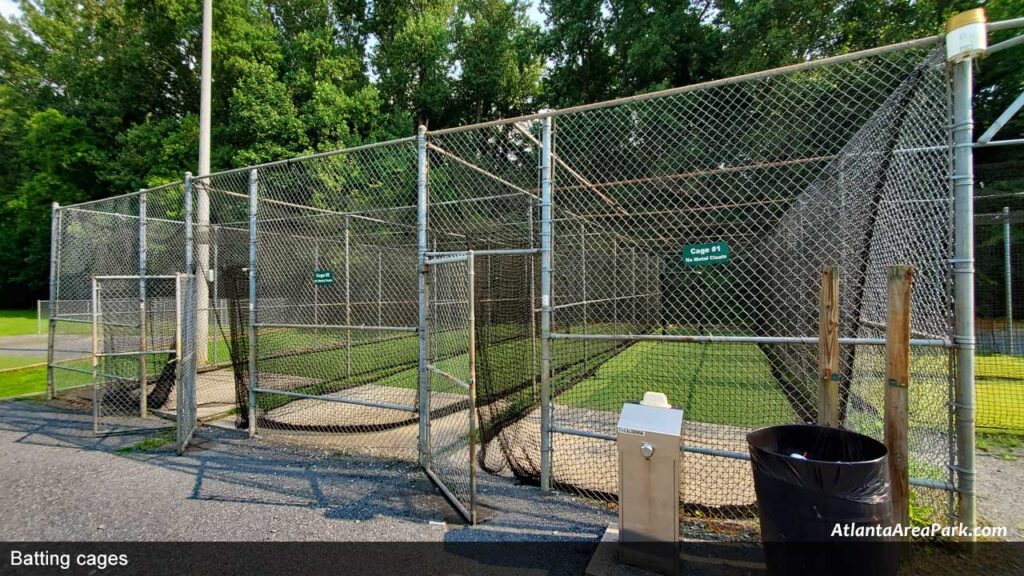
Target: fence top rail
<point>300,159</point>
<point>125,196</point>
<point>1015,217</point>
<point>137,277</point>
<point>838,59</point>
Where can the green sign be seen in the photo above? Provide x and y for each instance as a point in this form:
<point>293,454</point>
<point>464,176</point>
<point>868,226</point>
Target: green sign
<point>706,254</point>
<point>323,277</point>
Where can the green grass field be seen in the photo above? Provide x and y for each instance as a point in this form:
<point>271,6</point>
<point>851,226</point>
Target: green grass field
<point>8,362</point>
<point>724,384</point>
<point>18,322</point>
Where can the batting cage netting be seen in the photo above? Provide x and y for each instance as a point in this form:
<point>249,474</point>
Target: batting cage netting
<point>670,242</point>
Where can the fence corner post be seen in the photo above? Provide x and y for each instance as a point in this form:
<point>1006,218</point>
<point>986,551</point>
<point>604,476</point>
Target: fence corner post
<point>55,233</point>
<point>253,379</point>
<point>545,307</point>
<point>963,279</point>
<point>423,392</point>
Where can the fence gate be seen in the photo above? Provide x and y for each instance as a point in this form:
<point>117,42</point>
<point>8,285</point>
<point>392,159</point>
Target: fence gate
<point>451,365</point>
<point>137,341</point>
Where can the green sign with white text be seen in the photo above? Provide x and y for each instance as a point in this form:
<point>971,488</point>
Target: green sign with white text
<point>323,277</point>
<point>706,254</point>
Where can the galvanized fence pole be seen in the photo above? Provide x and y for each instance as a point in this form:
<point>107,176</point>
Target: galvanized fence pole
<point>55,229</point>
<point>530,269</point>
<point>471,305</point>
<point>348,300</point>
<point>316,294</point>
<point>421,262</point>
<point>95,356</point>
<point>1008,275</point>
<point>143,408</point>
<point>253,374</point>
<point>214,268</point>
<point>963,269</point>
<point>583,292</point>
<point>380,287</point>
<point>545,307</point>
<point>189,270</point>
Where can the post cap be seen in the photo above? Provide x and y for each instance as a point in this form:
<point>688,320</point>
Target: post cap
<point>973,16</point>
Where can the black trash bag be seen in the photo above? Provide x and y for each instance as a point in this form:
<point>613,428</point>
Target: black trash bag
<point>808,480</point>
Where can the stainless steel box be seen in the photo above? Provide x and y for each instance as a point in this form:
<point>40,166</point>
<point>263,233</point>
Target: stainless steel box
<point>649,462</point>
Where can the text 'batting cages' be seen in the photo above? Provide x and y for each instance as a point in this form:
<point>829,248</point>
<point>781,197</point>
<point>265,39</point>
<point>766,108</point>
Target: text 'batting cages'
<point>496,292</point>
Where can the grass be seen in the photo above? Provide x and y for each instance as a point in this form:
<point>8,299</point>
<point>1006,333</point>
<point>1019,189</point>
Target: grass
<point>728,384</point>
<point>1003,446</point>
<point>722,383</point>
<point>150,443</point>
<point>8,362</point>
<point>999,386</point>
<point>18,322</point>
<point>21,382</point>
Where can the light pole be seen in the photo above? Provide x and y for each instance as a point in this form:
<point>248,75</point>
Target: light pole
<point>202,194</point>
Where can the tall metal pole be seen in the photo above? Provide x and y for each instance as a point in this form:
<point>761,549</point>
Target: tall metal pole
<point>95,356</point>
<point>471,305</point>
<point>55,234</point>
<point>380,287</point>
<point>421,227</point>
<point>348,301</point>
<point>253,375</point>
<point>545,307</point>
<point>203,196</point>
<point>1008,274</point>
<point>143,389</point>
<point>963,269</point>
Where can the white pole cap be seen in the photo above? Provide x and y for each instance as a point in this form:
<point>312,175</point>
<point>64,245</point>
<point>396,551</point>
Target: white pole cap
<point>966,35</point>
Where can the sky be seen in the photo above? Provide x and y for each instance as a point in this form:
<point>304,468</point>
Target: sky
<point>9,8</point>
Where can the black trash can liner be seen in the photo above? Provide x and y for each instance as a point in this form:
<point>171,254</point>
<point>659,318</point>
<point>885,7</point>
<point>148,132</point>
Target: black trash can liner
<point>843,480</point>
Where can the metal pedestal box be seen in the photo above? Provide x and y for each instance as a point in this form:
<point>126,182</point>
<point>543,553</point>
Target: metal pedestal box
<point>649,462</point>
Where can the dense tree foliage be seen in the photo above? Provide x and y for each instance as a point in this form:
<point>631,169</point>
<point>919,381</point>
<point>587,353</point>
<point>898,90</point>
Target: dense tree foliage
<point>99,97</point>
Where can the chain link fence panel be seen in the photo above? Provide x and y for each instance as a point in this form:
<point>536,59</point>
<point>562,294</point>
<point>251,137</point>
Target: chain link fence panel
<point>999,297</point>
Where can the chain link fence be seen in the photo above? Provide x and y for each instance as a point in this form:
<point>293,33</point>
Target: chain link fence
<point>999,297</point>
<point>669,242</point>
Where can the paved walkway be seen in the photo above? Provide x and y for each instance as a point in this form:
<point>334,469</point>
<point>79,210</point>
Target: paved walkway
<point>61,483</point>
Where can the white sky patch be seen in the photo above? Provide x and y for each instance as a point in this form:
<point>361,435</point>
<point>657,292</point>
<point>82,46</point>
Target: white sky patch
<point>9,8</point>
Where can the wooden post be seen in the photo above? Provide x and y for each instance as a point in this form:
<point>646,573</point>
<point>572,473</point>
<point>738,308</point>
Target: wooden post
<point>897,378</point>
<point>828,348</point>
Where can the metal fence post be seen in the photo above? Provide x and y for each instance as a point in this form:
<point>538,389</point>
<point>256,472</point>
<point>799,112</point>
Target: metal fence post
<point>348,301</point>
<point>421,228</point>
<point>215,306</point>
<point>380,287</point>
<point>143,400</point>
<point>55,228</point>
<point>963,269</point>
<point>95,356</point>
<point>471,306</point>
<point>253,374</point>
<point>545,307</point>
<point>583,293</point>
<point>1008,273</point>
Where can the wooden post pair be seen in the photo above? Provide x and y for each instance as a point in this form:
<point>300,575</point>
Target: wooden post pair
<point>897,374</point>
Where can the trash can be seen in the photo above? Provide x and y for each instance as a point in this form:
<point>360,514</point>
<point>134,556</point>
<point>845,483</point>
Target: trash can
<point>811,479</point>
